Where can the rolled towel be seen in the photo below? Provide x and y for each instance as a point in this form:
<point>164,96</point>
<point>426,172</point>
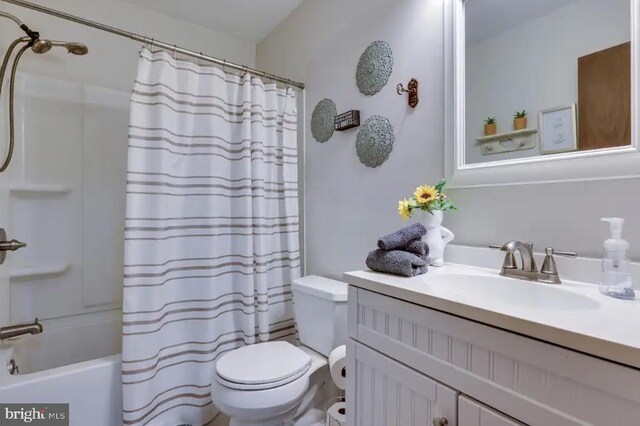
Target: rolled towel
<point>417,247</point>
<point>402,237</point>
<point>396,262</point>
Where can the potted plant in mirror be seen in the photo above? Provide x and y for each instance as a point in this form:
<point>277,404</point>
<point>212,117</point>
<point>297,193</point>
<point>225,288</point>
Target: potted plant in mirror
<point>431,202</point>
<point>490,126</point>
<point>520,120</point>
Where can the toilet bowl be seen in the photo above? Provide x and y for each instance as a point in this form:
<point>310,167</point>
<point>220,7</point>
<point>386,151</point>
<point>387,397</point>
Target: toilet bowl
<point>263,384</point>
<point>274,397</point>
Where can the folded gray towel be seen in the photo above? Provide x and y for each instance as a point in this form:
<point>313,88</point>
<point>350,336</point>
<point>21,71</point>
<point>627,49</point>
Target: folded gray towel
<point>402,237</point>
<point>418,248</point>
<point>396,262</point>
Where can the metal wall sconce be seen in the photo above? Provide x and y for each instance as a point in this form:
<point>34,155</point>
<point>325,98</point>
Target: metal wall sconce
<point>412,90</point>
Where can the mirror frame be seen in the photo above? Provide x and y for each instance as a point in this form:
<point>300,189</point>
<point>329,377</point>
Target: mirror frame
<point>600,164</point>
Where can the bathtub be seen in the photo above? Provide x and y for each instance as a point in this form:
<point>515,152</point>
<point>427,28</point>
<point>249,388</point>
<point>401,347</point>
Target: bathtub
<point>77,364</point>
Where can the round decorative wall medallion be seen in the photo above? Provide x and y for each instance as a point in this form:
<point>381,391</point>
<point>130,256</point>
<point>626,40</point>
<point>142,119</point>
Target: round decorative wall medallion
<point>323,120</point>
<point>374,68</point>
<point>375,141</point>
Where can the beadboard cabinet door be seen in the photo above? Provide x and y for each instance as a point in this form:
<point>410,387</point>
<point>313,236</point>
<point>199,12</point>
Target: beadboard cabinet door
<point>387,393</point>
<point>472,413</point>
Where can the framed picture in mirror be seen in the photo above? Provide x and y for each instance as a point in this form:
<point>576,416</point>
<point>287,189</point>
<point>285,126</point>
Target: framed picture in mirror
<point>558,130</point>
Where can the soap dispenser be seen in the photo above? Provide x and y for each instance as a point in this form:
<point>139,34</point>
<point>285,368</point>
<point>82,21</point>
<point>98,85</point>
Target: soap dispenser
<point>616,268</point>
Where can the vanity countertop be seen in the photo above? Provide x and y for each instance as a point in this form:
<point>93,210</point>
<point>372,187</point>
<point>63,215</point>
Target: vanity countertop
<point>596,325</point>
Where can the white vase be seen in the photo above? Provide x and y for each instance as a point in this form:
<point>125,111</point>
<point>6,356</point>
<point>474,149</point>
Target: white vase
<point>437,235</point>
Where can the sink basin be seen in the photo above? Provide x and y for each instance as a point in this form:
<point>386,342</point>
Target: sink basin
<point>512,292</point>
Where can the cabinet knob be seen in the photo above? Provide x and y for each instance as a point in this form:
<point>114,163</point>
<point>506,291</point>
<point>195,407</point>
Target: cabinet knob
<point>440,421</point>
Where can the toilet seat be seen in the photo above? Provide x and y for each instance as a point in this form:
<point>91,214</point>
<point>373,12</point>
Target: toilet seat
<point>262,366</point>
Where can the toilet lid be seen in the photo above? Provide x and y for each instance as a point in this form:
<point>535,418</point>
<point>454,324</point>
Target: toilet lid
<point>262,366</point>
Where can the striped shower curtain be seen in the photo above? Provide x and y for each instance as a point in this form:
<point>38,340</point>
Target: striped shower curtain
<point>211,239</point>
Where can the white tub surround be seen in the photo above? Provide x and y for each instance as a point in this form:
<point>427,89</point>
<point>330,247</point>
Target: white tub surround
<point>91,388</point>
<point>484,349</point>
<point>70,364</point>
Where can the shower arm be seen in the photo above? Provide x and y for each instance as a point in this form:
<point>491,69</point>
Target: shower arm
<point>33,35</point>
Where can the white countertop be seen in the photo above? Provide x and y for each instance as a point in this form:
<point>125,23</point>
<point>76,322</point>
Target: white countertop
<point>607,328</point>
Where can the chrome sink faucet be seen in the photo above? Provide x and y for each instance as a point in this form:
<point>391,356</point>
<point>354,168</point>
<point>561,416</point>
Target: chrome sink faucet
<point>529,271</point>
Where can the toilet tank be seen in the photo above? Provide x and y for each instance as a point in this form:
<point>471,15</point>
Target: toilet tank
<point>320,309</point>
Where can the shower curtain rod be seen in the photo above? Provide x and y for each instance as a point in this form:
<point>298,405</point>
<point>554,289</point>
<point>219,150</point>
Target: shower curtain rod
<point>152,42</point>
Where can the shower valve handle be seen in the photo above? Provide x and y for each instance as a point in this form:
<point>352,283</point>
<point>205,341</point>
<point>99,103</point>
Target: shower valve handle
<point>8,245</point>
<point>12,245</point>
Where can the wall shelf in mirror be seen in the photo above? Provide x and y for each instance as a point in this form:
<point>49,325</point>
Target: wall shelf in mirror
<point>33,189</point>
<point>517,140</point>
<point>38,271</point>
<point>507,136</point>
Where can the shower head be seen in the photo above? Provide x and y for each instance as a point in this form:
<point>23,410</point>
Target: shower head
<point>40,46</point>
<point>43,46</point>
<point>76,48</point>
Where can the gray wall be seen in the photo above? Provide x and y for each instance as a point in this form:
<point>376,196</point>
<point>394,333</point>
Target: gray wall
<point>565,216</point>
<point>349,205</point>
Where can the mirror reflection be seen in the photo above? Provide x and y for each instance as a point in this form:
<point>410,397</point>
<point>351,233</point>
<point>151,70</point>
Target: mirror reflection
<point>545,77</point>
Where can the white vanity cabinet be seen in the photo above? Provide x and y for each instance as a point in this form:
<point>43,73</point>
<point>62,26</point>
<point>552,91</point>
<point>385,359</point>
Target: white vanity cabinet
<point>409,364</point>
<point>388,393</point>
<point>472,413</point>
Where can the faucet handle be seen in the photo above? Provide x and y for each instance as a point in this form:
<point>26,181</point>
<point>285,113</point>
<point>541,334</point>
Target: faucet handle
<point>561,253</point>
<point>549,264</point>
<point>510,261</point>
<point>509,258</point>
<point>503,247</point>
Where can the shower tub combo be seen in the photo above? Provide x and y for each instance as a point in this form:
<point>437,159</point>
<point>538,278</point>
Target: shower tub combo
<point>77,359</point>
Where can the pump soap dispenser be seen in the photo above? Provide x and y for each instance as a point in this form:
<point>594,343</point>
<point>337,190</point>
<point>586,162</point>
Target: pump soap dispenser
<point>616,268</point>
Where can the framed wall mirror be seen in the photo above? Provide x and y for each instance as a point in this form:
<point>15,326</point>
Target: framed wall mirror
<point>541,91</point>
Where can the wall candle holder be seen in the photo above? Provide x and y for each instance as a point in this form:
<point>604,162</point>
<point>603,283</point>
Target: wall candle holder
<point>412,90</point>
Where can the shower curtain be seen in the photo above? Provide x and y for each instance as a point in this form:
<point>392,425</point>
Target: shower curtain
<point>211,235</point>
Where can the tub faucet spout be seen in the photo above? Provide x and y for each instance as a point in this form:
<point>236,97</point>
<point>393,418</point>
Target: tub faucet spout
<point>20,330</point>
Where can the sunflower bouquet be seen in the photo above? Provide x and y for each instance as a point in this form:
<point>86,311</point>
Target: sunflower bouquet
<point>426,198</point>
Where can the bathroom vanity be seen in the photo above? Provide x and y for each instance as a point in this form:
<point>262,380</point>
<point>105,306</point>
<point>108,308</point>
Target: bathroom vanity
<point>464,346</point>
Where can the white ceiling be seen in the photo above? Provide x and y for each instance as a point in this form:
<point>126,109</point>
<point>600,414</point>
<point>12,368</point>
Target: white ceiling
<point>486,18</point>
<point>250,20</point>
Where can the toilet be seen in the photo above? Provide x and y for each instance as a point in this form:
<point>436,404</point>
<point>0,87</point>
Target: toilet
<point>263,384</point>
